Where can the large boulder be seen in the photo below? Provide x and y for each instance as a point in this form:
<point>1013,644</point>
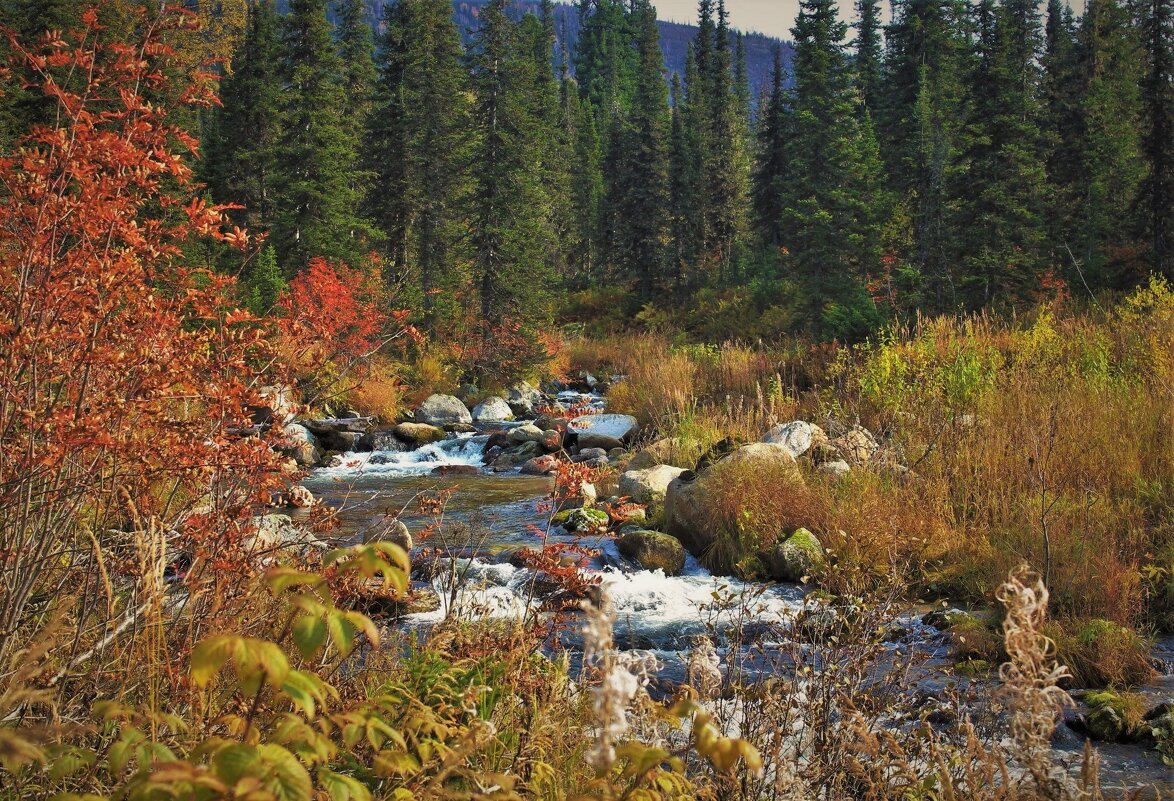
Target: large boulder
<point>523,398</point>
<point>419,433</point>
<point>527,432</point>
<point>582,519</point>
<point>269,534</point>
<point>276,407</point>
<point>649,486</point>
<point>603,430</point>
<point>797,436</point>
<point>298,442</point>
<point>764,456</point>
<point>442,410</point>
<point>386,528</point>
<point>653,551</point>
<point>685,512</point>
<point>671,450</point>
<point>381,441</point>
<point>492,410</point>
<point>795,557</point>
<point>517,456</point>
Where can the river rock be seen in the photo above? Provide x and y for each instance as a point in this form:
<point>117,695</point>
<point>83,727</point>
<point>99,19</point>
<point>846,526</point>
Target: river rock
<point>589,455</point>
<point>523,398</point>
<point>298,442</point>
<point>455,470</point>
<point>582,519</point>
<point>276,407</point>
<point>797,436</point>
<point>419,433</point>
<point>389,529</point>
<point>384,440</point>
<point>298,497</point>
<point>684,512</point>
<point>540,465</point>
<point>603,430</point>
<point>653,551</point>
<point>795,557</point>
<point>527,432</point>
<point>649,486</point>
<point>838,468</point>
<point>517,456</point>
<point>271,533</point>
<point>441,410</point>
<point>492,410</point>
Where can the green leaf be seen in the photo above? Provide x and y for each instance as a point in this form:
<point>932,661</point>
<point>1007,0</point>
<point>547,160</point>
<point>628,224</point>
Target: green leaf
<point>285,776</point>
<point>308,635</point>
<point>342,788</point>
<point>282,578</point>
<point>342,632</point>
<point>234,761</point>
<point>209,656</point>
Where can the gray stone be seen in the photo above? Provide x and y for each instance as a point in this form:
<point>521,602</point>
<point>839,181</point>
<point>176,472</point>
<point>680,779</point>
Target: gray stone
<point>492,410</point>
<point>797,436</point>
<point>527,432</point>
<point>838,468</point>
<point>440,410</point>
<point>389,529</point>
<point>298,442</point>
<point>796,557</point>
<point>523,398</point>
<point>419,433</point>
<point>269,534</point>
<point>653,551</point>
<point>603,430</point>
<point>649,486</point>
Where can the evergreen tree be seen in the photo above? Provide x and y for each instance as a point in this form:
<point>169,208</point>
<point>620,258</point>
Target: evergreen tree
<point>419,145</point>
<point>1002,233</point>
<point>1156,195</point>
<point>242,161</point>
<point>1110,145</point>
<point>263,282</point>
<point>690,210</point>
<point>919,113</point>
<point>1062,127</point>
<point>638,188</point>
<point>770,173</point>
<point>587,188</point>
<point>357,52</point>
<point>725,189</point>
<point>509,223</point>
<point>830,222</point>
<point>868,52</point>
<point>318,205</point>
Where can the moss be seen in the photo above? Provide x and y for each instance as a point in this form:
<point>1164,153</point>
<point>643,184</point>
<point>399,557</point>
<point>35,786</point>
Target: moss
<point>805,541</point>
<point>973,668</point>
<point>1113,716</point>
<point>580,519</point>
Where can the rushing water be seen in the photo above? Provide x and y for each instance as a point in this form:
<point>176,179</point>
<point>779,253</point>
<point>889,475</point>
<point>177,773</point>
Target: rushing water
<point>488,516</point>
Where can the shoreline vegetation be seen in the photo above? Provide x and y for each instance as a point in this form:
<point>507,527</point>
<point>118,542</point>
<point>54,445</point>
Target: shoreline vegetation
<point>175,361</point>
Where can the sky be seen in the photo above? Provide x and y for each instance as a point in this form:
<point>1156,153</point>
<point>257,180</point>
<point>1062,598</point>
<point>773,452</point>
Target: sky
<point>772,17</point>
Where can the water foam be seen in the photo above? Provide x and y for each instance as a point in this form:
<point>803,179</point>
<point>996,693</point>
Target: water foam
<point>464,449</point>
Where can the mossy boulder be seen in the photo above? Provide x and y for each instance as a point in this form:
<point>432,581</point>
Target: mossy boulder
<point>796,557</point>
<point>653,550</point>
<point>419,433</point>
<point>582,519</point>
<point>1112,716</point>
<point>648,487</point>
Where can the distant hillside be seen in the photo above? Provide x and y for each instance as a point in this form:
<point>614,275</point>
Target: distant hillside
<point>674,36</point>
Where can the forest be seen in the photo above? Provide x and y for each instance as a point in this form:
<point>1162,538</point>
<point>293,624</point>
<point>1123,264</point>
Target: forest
<point>511,400</point>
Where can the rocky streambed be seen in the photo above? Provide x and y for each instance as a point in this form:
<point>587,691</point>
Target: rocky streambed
<point>493,460</point>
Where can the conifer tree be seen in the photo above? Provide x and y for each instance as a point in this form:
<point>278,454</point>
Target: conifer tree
<point>1110,144</point>
<point>868,52</point>
<point>770,171</point>
<point>318,206</point>
<point>242,160</point>
<point>419,144</point>
<point>356,49</point>
<point>1062,127</point>
<point>510,208</point>
<point>1156,195</point>
<point>830,222</point>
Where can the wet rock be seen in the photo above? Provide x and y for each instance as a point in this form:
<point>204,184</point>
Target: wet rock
<point>491,454</point>
<point>548,422</point>
<point>590,455</point>
<point>582,519</point>
<point>523,398</point>
<point>540,465</point>
<point>603,430</point>
<point>797,437</point>
<point>653,551</point>
<point>492,410</point>
<point>297,441</point>
<point>552,440</point>
<point>269,534</point>
<point>460,428</point>
<point>298,497</point>
<point>384,440</point>
<point>376,459</point>
<point>1107,718</point>
<point>389,529</point>
<point>527,432</point>
<point>455,470</point>
<point>648,487</point>
<point>440,410</point>
<point>517,456</point>
<point>419,433</point>
<point>684,512</point>
<point>796,557</point>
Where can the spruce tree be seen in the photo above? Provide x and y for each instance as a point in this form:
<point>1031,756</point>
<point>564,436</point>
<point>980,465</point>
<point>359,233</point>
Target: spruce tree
<point>830,221</point>
<point>1111,166</point>
<point>868,52</point>
<point>318,204</point>
<point>419,144</point>
<point>356,49</point>
<point>1062,128</point>
<point>510,208</point>
<point>770,172</point>
<point>1002,234</point>
<point>1156,195</point>
<point>242,160</point>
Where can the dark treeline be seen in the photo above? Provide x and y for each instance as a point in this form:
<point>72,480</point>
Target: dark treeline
<point>968,155</point>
